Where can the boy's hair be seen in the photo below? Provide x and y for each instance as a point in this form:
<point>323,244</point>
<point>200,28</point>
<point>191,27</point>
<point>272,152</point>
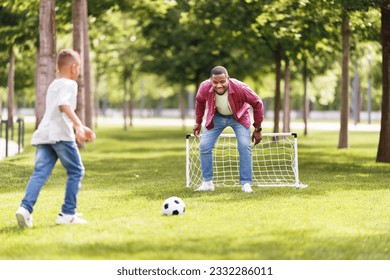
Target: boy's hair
<point>66,57</point>
<point>218,70</point>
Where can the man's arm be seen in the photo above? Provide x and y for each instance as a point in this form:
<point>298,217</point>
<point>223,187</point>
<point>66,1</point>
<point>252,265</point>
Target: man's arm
<point>200,107</point>
<point>258,113</point>
<point>257,104</point>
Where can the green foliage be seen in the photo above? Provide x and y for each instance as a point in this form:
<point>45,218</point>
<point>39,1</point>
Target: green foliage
<point>173,44</point>
<point>18,29</point>
<point>194,36</point>
<point>17,21</point>
<point>342,215</point>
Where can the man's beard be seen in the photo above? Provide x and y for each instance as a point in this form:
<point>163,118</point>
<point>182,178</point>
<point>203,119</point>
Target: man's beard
<point>220,93</point>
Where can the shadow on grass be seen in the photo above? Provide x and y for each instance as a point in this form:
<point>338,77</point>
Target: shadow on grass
<point>12,230</point>
<point>291,244</point>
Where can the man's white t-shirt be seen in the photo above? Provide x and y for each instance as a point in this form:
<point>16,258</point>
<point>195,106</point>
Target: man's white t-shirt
<point>55,125</point>
<point>222,104</point>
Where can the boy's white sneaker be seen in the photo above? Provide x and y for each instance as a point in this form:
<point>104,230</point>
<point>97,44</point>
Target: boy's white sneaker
<point>24,217</point>
<point>246,188</point>
<point>65,219</point>
<point>206,186</point>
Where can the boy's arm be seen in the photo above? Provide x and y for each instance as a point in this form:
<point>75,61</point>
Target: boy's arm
<point>77,125</point>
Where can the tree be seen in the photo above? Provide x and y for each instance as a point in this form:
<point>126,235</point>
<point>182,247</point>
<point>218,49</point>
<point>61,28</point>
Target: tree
<point>11,88</point>
<point>78,46</point>
<point>183,40</point>
<point>383,154</point>
<point>17,25</point>
<point>119,54</point>
<point>46,70</point>
<point>87,68</point>
<point>344,112</point>
<point>317,47</point>
<point>293,31</point>
<point>82,46</point>
<point>287,101</point>
<point>277,25</point>
<point>188,38</point>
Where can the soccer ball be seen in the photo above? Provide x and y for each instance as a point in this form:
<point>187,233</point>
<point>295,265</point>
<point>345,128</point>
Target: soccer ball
<point>173,206</point>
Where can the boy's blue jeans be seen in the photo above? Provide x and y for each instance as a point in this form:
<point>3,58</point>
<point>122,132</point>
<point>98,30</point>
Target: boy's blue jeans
<point>207,142</point>
<point>45,159</point>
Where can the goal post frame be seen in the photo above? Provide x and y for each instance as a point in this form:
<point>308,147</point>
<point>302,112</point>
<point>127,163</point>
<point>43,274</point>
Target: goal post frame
<point>297,183</point>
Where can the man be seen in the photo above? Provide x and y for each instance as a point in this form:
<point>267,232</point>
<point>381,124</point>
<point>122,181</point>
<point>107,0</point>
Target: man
<point>227,101</point>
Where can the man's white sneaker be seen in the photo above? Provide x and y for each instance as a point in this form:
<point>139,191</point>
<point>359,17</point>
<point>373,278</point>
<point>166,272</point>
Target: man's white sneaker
<point>246,188</point>
<point>65,219</point>
<point>24,217</point>
<point>206,186</point>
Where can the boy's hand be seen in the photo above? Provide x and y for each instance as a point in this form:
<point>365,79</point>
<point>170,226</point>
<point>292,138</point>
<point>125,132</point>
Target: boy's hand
<point>80,134</point>
<point>89,134</point>
<point>84,133</point>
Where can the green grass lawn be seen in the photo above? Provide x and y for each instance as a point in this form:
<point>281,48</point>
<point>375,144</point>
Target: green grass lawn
<point>344,213</point>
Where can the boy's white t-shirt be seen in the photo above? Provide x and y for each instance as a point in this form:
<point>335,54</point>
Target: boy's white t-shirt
<point>55,125</point>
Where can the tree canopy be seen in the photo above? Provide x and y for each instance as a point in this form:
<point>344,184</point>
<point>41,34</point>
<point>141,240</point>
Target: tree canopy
<point>176,43</point>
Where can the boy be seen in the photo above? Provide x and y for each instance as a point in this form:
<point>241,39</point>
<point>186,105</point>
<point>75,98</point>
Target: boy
<point>56,138</point>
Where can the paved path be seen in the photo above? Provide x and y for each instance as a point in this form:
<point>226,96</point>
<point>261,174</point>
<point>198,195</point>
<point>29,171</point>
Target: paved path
<point>12,148</point>
<point>268,125</point>
<point>189,122</point>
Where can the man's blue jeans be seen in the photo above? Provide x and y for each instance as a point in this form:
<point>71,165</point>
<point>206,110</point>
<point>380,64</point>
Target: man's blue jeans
<point>207,142</point>
<point>45,159</point>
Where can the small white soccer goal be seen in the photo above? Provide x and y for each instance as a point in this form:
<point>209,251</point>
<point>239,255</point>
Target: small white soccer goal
<point>275,161</point>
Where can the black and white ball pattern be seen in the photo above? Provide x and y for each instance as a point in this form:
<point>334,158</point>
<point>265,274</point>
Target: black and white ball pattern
<point>173,206</point>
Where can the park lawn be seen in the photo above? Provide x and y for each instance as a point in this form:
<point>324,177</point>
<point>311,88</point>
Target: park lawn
<point>343,214</point>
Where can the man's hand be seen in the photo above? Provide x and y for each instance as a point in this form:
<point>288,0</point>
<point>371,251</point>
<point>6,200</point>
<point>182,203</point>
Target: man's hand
<point>256,137</point>
<point>197,129</point>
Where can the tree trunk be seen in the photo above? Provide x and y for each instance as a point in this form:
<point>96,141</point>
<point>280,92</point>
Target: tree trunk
<point>305,98</point>
<point>383,154</point>
<point>142,94</point>
<point>286,103</point>
<point>11,89</point>
<point>131,101</point>
<point>183,108</point>
<point>125,101</point>
<point>360,101</point>
<point>96,98</point>
<point>355,96</point>
<point>278,60</point>
<point>46,71</point>
<point>369,91</point>
<point>79,47</point>
<point>88,95</point>
<point>1,106</point>
<point>343,136</point>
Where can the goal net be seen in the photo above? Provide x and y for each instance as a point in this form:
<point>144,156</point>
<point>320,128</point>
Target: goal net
<point>275,161</point>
